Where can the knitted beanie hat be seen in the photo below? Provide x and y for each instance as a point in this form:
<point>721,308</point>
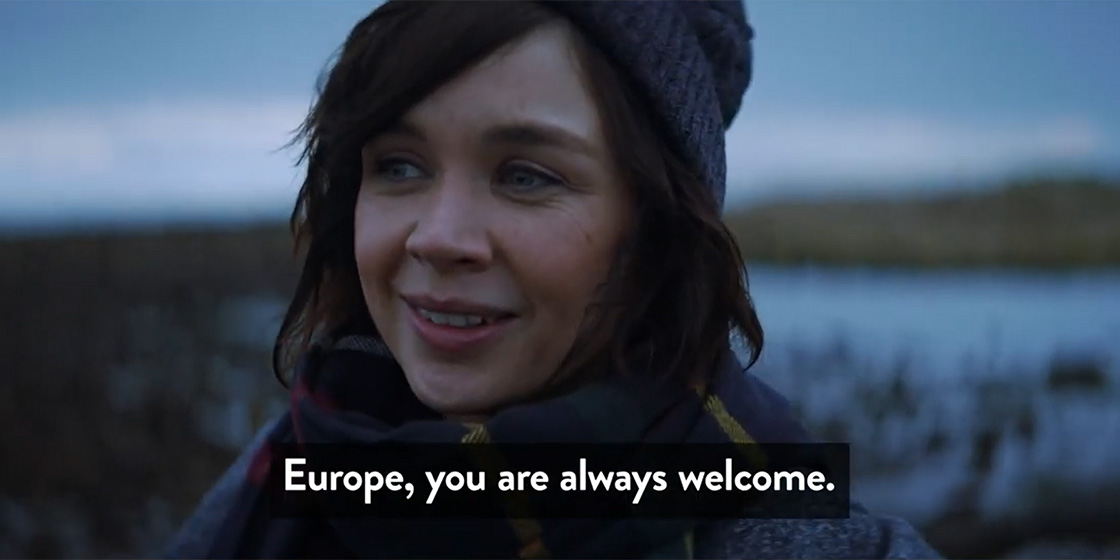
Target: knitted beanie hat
<point>692,60</point>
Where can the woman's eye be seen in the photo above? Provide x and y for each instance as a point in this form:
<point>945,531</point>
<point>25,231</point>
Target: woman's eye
<point>524,179</point>
<point>395,169</point>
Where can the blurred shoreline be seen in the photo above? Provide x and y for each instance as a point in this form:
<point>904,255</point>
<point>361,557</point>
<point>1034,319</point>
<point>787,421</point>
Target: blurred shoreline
<point>1033,224</point>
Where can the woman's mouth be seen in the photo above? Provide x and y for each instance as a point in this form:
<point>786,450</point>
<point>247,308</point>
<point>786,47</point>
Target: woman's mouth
<point>457,320</point>
<point>454,327</point>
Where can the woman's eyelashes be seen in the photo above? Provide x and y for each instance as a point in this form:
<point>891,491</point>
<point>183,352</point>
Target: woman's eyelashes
<point>397,169</point>
<point>525,179</point>
<point>514,179</point>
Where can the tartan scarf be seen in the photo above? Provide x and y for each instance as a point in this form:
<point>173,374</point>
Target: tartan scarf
<point>352,391</point>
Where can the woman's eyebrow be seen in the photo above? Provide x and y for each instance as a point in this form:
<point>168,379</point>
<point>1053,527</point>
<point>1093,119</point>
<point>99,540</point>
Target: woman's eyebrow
<point>541,135</point>
<point>402,128</point>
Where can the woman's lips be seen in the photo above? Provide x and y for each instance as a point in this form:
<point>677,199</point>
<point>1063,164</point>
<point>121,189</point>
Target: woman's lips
<point>451,339</point>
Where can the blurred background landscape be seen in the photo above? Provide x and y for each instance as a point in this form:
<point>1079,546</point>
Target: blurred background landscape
<point>927,195</point>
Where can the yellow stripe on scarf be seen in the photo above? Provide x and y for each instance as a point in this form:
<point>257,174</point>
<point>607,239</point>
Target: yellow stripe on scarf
<point>528,530</point>
<point>732,428</point>
<point>476,434</point>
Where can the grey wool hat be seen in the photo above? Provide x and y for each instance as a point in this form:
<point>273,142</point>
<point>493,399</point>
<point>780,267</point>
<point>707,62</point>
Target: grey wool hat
<point>690,58</point>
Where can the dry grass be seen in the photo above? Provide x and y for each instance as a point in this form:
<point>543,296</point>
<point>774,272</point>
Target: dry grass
<point>1040,224</point>
<point>72,452</point>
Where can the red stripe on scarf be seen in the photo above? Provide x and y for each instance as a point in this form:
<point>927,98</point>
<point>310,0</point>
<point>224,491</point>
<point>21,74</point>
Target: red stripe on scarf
<point>301,391</point>
<point>260,465</point>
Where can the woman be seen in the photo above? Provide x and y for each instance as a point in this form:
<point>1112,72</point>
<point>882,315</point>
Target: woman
<point>512,221</point>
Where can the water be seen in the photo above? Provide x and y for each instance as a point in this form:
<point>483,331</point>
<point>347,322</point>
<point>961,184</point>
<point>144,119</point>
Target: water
<point>1007,319</point>
<point>973,350</point>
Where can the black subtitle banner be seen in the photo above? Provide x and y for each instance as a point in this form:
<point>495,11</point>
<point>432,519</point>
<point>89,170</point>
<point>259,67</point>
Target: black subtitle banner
<point>433,481</point>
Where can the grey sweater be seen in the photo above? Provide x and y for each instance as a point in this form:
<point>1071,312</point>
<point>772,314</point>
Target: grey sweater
<point>862,535</point>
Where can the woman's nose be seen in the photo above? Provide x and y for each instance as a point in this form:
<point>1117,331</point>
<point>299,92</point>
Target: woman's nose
<point>451,232</point>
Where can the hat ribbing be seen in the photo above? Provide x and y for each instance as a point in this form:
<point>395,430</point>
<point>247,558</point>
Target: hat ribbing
<point>690,58</point>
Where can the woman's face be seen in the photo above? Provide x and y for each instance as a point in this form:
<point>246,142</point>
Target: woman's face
<point>486,221</point>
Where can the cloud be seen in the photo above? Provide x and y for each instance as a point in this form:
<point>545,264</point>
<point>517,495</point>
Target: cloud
<point>165,158</point>
<point>816,152</point>
<point>53,147</point>
<point>225,156</point>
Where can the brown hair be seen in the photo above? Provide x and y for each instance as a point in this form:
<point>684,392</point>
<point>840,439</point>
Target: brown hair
<point>679,288</point>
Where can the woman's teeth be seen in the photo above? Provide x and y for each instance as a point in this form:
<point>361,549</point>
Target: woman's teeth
<point>453,319</point>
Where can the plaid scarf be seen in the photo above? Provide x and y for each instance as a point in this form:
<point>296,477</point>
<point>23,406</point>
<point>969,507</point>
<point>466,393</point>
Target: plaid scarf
<point>353,391</point>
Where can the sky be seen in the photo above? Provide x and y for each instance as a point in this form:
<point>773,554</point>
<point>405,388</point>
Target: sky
<point>131,110</point>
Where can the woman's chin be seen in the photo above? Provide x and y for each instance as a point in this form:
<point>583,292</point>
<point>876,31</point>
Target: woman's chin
<point>458,392</point>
